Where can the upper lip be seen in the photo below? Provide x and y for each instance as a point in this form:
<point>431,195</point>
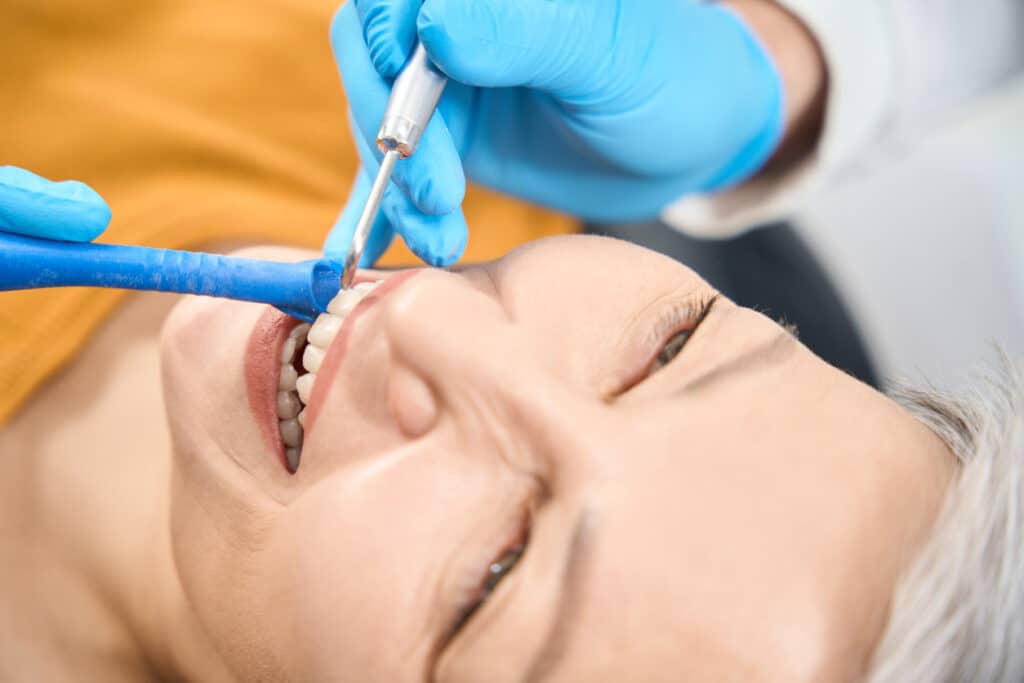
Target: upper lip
<point>338,351</point>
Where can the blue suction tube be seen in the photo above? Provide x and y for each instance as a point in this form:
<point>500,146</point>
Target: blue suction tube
<point>302,290</point>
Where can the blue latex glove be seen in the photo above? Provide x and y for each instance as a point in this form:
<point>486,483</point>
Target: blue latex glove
<point>607,109</point>
<point>31,205</point>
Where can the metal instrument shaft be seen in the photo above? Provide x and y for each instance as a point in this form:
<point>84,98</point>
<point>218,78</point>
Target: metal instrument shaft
<point>412,103</point>
<point>367,218</point>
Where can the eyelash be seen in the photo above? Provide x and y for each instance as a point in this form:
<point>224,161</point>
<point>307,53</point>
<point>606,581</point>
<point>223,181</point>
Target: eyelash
<point>479,590</point>
<point>689,316</point>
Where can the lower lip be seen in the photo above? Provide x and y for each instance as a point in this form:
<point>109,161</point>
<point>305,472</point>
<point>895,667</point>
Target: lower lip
<point>262,374</point>
<point>336,354</point>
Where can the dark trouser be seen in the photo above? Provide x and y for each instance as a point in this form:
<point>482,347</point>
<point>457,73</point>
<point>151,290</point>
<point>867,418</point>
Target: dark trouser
<point>772,270</point>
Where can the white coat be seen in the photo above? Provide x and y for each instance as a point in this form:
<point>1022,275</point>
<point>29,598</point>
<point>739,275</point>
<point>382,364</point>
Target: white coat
<point>914,197</point>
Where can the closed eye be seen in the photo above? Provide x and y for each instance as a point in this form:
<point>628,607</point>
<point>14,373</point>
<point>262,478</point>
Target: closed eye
<point>496,571</point>
<point>479,585</point>
<point>675,343</point>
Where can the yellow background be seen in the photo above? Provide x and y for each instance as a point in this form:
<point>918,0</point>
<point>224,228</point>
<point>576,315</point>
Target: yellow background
<point>199,121</point>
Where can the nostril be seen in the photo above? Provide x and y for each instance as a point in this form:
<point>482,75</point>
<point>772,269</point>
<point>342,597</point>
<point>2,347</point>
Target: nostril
<point>412,402</point>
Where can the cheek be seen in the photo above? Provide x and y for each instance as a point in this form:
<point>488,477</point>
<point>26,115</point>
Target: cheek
<point>334,597</point>
<point>351,578</point>
<point>201,352</point>
<point>179,335</point>
<point>201,334</point>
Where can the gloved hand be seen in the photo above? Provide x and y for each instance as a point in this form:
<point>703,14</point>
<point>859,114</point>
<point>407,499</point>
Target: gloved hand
<point>607,109</point>
<point>31,205</point>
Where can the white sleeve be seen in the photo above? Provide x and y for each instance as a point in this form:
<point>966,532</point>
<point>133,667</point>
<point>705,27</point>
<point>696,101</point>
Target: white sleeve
<point>896,69</point>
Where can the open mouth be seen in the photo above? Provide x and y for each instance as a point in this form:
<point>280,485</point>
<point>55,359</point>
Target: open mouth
<point>301,356</point>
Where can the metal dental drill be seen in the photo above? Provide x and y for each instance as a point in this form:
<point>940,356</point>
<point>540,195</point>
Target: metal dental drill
<point>414,98</point>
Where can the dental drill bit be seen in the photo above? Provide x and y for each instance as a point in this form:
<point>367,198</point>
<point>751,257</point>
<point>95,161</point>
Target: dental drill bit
<point>367,217</point>
<point>412,103</point>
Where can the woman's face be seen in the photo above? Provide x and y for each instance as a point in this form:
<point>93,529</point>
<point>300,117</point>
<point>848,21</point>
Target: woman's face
<point>668,486</point>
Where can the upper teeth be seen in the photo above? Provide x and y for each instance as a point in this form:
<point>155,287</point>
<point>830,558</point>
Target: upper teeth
<point>326,327</point>
<point>294,390</point>
<point>304,385</point>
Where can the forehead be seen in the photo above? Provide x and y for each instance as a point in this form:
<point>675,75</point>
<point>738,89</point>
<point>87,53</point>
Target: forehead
<point>588,300</point>
<point>589,266</point>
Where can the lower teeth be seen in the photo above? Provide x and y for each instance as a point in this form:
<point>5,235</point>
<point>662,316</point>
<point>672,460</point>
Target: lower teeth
<point>290,407</point>
<point>292,457</point>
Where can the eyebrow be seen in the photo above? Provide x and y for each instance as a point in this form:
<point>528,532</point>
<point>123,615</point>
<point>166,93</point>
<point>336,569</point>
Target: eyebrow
<point>771,352</point>
<point>573,573</point>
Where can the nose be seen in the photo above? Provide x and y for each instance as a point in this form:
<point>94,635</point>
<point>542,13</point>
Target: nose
<point>444,333</point>
<point>456,354</point>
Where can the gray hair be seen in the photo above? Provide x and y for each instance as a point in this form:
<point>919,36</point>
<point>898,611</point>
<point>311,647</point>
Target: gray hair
<point>958,612</point>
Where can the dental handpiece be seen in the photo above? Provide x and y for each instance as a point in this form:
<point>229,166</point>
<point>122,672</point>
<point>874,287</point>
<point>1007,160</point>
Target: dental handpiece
<point>414,98</point>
